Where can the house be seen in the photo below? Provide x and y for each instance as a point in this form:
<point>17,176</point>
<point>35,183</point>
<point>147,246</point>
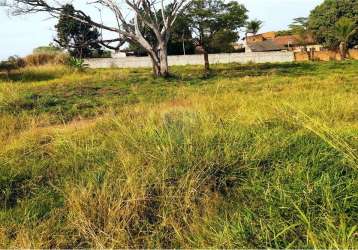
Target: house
<point>264,46</point>
<point>269,41</point>
<point>297,44</point>
<point>261,37</point>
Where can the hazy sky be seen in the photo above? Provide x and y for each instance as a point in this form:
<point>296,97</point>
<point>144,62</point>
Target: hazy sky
<point>19,35</point>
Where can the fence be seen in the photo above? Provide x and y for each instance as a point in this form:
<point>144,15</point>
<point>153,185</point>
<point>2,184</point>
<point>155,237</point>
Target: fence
<point>325,55</point>
<point>139,62</point>
<point>255,57</point>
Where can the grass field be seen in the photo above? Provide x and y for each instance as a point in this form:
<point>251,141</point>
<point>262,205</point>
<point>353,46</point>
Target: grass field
<point>254,156</point>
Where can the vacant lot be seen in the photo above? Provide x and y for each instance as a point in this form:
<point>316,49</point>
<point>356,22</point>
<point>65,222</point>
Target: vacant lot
<point>255,156</point>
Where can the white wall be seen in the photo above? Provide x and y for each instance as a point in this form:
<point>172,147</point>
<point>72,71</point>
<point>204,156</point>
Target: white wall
<point>140,62</point>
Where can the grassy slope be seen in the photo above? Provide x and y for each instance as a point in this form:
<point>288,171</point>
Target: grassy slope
<point>255,156</point>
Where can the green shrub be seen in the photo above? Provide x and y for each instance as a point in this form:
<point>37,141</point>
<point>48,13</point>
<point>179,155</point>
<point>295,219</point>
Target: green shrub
<point>12,63</point>
<point>78,64</point>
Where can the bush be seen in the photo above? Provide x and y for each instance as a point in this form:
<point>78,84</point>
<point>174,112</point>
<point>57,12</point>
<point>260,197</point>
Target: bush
<point>61,58</point>
<point>17,61</point>
<point>77,64</point>
<point>46,58</point>
<point>37,59</point>
<point>12,63</point>
<point>5,66</point>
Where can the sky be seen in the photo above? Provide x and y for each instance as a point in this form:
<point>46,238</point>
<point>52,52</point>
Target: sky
<point>19,35</point>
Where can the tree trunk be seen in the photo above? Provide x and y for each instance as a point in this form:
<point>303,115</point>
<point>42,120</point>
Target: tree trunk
<point>160,64</point>
<point>155,66</point>
<point>309,54</point>
<point>163,58</point>
<point>8,71</point>
<point>159,60</point>
<point>343,50</point>
<point>206,61</point>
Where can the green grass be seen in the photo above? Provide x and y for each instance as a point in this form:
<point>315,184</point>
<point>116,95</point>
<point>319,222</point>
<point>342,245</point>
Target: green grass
<point>254,156</point>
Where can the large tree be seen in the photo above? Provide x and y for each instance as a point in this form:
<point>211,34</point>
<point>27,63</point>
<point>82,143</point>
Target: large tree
<point>299,27</point>
<point>345,29</point>
<point>212,18</point>
<point>130,16</point>
<point>179,43</point>
<point>78,38</point>
<point>324,17</point>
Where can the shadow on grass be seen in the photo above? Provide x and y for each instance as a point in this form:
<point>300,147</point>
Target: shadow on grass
<point>279,69</point>
<point>27,76</point>
<point>68,99</point>
<point>196,75</point>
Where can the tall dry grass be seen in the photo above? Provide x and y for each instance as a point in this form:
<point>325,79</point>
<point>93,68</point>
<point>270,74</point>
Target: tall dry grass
<point>39,59</point>
<point>253,157</point>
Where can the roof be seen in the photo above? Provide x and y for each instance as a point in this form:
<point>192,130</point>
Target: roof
<point>267,45</point>
<point>263,36</point>
<point>269,35</point>
<point>291,40</point>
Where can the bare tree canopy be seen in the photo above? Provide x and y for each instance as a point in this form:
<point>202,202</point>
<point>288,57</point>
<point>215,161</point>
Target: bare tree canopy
<point>131,18</point>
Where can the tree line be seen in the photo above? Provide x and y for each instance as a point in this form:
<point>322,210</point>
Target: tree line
<point>333,24</point>
<point>158,28</point>
<point>211,25</point>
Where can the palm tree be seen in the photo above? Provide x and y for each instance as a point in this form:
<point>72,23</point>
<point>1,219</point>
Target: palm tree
<point>253,26</point>
<point>300,28</point>
<point>345,28</point>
